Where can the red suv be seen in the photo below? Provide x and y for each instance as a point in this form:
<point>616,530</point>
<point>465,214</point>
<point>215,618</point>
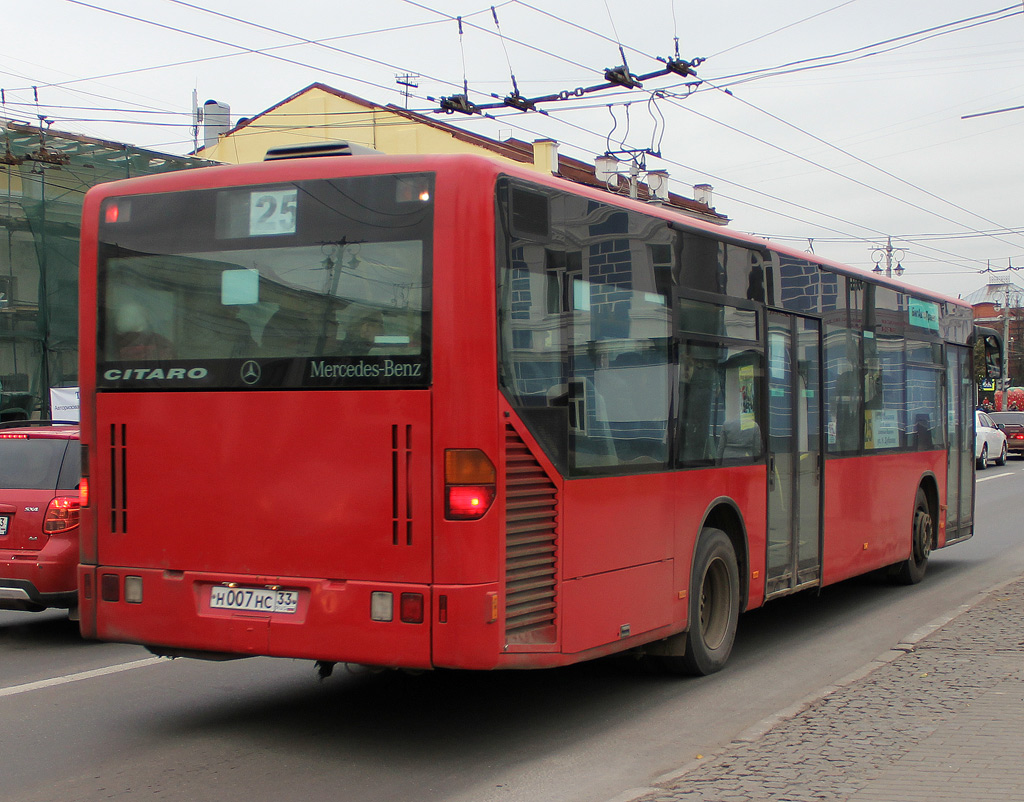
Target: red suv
<point>40,469</point>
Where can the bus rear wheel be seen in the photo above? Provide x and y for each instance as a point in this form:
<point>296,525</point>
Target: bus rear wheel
<point>714,605</point>
<point>912,570</point>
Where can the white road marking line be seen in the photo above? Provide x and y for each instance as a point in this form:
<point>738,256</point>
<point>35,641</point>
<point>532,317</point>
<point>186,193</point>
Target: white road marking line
<point>96,672</point>
<point>996,476</point>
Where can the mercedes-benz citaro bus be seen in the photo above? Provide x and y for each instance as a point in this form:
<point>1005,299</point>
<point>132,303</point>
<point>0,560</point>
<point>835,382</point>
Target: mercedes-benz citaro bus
<point>443,411</point>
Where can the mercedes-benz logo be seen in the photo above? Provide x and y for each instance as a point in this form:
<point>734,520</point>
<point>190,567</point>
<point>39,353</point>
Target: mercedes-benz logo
<point>251,372</point>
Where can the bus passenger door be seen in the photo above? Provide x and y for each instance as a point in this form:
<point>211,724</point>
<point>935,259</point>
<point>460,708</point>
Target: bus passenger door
<point>960,443</point>
<point>795,461</point>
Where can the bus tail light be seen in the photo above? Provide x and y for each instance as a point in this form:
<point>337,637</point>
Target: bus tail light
<point>61,516</point>
<point>469,484</point>
<point>83,492</point>
<point>410,608</point>
<point>110,588</point>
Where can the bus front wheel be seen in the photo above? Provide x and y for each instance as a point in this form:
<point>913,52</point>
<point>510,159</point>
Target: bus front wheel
<point>714,605</point>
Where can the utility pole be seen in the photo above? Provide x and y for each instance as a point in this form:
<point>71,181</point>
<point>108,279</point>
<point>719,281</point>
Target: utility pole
<point>409,82</point>
<point>1006,344</point>
<point>1007,301</point>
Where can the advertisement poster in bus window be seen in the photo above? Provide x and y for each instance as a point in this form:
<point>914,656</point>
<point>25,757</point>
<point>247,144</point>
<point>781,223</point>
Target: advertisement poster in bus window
<point>881,429</point>
<point>746,381</point>
<point>924,314</point>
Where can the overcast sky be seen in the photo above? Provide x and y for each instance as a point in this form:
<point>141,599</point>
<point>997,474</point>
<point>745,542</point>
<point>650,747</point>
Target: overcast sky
<point>859,138</point>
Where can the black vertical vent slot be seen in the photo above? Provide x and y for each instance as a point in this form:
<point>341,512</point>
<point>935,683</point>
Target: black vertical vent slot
<point>118,478</point>
<point>401,485</point>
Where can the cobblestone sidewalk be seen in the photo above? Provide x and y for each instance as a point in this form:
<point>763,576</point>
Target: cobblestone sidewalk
<point>938,719</point>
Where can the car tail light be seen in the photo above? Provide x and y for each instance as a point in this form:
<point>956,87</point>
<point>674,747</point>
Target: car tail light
<point>13,437</point>
<point>61,515</point>
<point>469,484</point>
<point>83,492</point>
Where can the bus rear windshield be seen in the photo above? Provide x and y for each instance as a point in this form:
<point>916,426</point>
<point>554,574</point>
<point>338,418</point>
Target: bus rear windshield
<point>312,284</point>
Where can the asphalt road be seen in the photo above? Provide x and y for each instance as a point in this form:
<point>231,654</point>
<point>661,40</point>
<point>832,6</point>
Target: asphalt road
<point>90,721</point>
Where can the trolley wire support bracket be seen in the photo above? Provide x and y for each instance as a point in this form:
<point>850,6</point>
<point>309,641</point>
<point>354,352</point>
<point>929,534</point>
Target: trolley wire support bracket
<point>517,101</point>
<point>458,103</point>
<point>681,67</point>
<point>621,76</point>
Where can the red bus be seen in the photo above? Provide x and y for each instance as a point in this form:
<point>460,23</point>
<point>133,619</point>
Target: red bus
<point>439,411</point>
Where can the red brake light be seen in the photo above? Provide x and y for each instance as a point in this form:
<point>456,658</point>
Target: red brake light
<point>61,516</point>
<point>469,501</point>
<point>13,437</point>
<point>117,210</point>
<point>410,608</point>
<point>83,491</point>
<point>469,484</point>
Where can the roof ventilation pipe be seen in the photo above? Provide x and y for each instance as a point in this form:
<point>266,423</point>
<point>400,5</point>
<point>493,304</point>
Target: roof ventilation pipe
<point>216,118</point>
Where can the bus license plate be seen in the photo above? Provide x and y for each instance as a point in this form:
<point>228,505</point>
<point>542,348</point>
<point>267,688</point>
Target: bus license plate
<point>258,600</point>
<point>3,525</point>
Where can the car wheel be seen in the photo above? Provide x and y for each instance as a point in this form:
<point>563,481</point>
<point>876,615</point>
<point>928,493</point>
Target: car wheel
<point>983,459</point>
<point>714,606</point>
<point>1002,456</point>
<point>922,532</point>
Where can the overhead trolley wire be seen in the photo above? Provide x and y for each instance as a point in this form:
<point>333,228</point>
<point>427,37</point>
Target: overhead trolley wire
<point>874,232</point>
<point>251,50</point>
<point>866,163</point>
<point>801,65</point>
<point>214,40</point>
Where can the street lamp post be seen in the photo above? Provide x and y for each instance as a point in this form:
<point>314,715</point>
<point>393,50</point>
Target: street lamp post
<point>886,252</point>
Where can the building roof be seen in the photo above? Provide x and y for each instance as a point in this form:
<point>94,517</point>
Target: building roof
<point>995,292</point>
<point>22,142</point>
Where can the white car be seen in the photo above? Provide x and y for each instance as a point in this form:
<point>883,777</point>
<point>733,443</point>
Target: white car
<point>989,441</point>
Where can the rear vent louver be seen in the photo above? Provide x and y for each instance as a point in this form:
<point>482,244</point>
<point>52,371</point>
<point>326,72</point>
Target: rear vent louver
<point>530,547</point>
<point>401,485</point>
<point>118,478</point>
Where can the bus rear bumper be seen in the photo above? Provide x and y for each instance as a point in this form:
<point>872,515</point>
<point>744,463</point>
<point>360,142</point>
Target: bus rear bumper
<point>374,623</point>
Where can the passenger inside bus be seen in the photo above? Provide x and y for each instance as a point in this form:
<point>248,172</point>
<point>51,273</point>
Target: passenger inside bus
<point>285,334</point>
<point>363,332</point>
<point>740,440</point>
<point>135,338</point>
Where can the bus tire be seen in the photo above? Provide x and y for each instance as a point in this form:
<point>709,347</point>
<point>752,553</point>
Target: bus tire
<point>714,605</point>
<point>913,569</point>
